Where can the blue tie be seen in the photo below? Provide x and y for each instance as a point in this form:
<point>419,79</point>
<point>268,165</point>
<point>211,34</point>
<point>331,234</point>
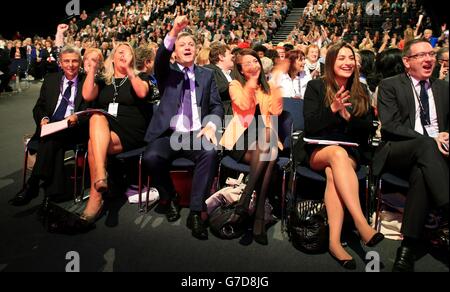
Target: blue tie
<point>62,108</point>
<point>187,102</point>
<point>425,112</point>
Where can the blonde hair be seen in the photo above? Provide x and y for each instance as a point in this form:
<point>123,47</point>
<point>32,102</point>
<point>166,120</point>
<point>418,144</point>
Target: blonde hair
<point>108,72</point>
<point>203,57</point>
<point>99,54</point>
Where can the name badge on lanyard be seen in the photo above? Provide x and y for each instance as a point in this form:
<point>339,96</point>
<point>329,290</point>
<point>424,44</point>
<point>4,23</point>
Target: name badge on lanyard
<point>113,109</point>
<point>433,132</point>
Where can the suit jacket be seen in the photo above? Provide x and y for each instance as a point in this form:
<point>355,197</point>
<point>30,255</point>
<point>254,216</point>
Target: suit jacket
<point>397,111</point>
<point>244,108</point>
<point>170,84</point>
<point>48,99</point>
<point>222,82</point>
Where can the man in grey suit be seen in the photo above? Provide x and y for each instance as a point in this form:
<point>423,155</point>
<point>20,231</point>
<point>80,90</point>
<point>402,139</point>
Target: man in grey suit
<point>414,113</point>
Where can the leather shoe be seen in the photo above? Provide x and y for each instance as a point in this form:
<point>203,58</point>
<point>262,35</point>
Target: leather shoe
<point>23,197</point>
<point>198,226</point>
<point>404,262</point>
<point>173,211</point>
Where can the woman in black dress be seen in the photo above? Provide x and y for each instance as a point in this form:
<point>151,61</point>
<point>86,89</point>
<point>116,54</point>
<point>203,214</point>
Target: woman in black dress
<point>338,108</point>
<point>123,94</point>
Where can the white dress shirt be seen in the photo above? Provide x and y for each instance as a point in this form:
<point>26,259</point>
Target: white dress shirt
<point>71,105</point>
<point>433,114</point>
<point>295,87</point>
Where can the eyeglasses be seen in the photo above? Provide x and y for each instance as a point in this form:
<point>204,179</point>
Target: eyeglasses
<point>421,56</point>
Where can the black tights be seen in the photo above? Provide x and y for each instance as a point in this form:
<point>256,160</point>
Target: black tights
<point>260,177</point>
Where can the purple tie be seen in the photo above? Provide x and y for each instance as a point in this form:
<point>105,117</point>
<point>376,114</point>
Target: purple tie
<point>187,103</point>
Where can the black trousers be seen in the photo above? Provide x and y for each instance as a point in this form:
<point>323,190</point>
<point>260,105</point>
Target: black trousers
<point>160,154</point>
<point>49,165</point>
<point>420,162</point>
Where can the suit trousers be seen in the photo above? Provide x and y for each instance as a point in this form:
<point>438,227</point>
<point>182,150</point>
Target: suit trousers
<point>160,154</point>
<point>420,162</point>
<point>49,165</point>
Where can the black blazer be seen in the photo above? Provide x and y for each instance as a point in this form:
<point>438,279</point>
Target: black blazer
<point>48,99</point>
<point>321,122</point>
<point>222,82</point>
<point>397,112</point>
<point>170,84</point>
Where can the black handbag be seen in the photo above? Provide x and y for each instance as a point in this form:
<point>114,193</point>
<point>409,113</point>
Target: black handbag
<point>219,223</point>
<point>308,227</point>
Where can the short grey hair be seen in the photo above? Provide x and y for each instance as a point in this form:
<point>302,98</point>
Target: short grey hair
<point>70,50</point>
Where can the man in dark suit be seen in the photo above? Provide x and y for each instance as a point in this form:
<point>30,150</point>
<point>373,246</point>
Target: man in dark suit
<point>414,113</point>
<point>59,98</point>
<point>190,109</point>
<point>4,68</point>
<point>221,62</point>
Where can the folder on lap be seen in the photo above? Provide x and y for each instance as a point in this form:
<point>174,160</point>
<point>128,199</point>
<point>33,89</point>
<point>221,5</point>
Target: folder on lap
<point>330,142</point>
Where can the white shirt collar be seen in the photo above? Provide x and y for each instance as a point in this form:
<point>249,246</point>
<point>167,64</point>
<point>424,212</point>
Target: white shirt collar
<point>416,82</point>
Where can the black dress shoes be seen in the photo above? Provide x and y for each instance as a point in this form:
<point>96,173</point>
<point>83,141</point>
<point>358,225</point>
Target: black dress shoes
<point>25,196</point>
<point>404,262</point>
<point>198,226</point>
<point>173,211</point>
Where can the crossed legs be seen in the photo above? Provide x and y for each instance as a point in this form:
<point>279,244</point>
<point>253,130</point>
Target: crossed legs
<point>101,143</point>
<point>341,192</point>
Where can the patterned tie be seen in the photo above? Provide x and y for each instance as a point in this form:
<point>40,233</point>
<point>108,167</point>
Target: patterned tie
<point>62,108</point>
<point>425,113</point>
<point>187,103</point>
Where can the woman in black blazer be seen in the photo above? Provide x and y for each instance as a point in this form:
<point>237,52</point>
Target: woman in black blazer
<point>338,108</point>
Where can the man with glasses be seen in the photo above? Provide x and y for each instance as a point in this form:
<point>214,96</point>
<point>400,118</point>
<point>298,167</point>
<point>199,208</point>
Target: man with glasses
<point>414,113</point>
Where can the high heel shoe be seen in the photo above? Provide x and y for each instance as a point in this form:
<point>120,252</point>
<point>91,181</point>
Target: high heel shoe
<point>346,264</point>
<point>90,219</point>
<point>376,239</point>
<point>259,232</point>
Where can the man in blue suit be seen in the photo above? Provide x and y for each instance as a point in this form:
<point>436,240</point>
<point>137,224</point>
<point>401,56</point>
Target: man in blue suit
<point>185,125</point>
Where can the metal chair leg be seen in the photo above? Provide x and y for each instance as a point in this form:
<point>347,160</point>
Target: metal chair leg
<point>141,209</point>
<point>378,212</point>
<point>83,177</point>
<point>75,179</point>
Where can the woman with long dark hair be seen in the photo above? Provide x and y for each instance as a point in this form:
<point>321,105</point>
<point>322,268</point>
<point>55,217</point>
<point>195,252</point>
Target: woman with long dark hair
<point>338,108</point>
<point>254,104</point>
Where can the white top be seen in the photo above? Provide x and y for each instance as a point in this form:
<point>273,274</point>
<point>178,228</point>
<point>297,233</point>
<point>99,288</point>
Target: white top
<point>295,87</point>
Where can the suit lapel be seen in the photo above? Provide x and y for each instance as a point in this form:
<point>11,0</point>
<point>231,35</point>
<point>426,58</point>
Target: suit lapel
<point>198,85</point>
<point>410,99</point>
<point>55,94</point>
<point>79,96</point>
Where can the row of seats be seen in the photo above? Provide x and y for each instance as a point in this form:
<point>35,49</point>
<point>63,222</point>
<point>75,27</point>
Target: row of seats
<point>291,124</point>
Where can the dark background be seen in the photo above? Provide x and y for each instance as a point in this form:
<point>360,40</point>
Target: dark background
<point>41,17</point>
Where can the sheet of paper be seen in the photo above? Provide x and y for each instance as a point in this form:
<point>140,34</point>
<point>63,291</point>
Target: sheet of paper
<point>330,142</point>
<point>54,127</point>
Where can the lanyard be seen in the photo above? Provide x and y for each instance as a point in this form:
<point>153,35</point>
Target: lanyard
<point>116,88</point>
